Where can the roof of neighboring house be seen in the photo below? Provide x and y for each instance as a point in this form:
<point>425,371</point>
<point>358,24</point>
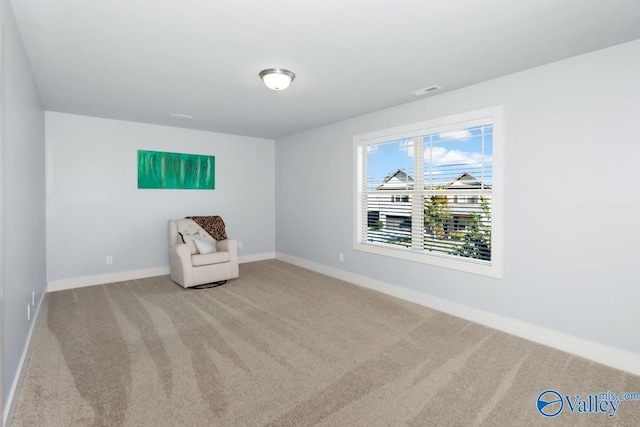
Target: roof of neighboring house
<point>398,180</point>
<point>465,181</point>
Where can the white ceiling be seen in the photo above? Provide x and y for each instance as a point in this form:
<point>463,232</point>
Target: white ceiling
<point>140,60</point>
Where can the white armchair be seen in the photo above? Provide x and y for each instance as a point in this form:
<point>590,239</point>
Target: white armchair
<point>196,258</point>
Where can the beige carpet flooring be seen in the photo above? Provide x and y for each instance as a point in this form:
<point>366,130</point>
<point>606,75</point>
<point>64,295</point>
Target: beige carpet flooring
<point>284,346</point>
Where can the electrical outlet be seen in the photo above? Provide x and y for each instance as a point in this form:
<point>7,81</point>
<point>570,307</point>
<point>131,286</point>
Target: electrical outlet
<point>109,259</point>
<point>240,246</point>
<point>341,257</point>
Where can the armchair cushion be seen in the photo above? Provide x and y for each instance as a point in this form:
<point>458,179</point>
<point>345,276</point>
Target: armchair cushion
<point>212,258</point>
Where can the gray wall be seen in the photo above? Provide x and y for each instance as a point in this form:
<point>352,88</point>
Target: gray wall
<point>95,209</point>
<point>570,204</point>
<point>24,199</point>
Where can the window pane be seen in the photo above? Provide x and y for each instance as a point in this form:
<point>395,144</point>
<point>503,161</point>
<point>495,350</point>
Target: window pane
<point>390,165</point>
<point>460,229</point>
<point>459,159</point>
<point>388,221</point>
<point>457,216</point>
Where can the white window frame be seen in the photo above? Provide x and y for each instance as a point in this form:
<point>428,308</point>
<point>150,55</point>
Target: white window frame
<point>492,268</point>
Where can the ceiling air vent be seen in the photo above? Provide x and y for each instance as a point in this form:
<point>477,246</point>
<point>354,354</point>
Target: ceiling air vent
<point>180,116</point>
<point>426,90</point>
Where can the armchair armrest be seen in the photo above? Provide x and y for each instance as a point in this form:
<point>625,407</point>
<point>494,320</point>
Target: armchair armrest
<point>231,246</point>
<point>227,245</point>
<point>181,267</point>
<point>183,251</point>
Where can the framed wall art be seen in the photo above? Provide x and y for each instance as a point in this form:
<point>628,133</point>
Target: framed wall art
<point>163,170</point>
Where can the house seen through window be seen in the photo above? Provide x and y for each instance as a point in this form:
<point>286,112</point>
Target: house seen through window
<point>427,193</point>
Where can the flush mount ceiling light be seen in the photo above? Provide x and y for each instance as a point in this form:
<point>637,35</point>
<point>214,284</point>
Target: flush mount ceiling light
<point>277,78</point>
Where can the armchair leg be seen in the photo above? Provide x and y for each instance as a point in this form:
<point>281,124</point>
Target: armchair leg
<point>209,285</point>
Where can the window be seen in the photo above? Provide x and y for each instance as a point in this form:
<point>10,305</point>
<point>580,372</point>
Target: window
<point>430,192</point>
<point>400,199</point>
<point>465,199</point>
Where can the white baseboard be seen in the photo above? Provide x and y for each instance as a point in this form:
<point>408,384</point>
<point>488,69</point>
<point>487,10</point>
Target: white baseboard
<point>100,279</point>
<point>610,356</point>
<point>256,257</point>
<point>8,410</point>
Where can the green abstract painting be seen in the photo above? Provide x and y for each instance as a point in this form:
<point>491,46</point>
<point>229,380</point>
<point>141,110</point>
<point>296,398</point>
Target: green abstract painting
<point>157,169</point>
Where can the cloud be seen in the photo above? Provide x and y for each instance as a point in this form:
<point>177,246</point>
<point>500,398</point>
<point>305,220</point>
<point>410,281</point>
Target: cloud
<point>457,135</point>
<point>408,146</point>
<point>442,156</point>
<point>400,145</point>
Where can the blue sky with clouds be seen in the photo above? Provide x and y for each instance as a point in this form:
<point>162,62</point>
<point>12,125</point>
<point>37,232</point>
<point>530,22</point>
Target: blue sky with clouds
<point>446,156</point>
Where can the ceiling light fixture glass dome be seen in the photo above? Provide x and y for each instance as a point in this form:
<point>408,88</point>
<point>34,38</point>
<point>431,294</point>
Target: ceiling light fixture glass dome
<point>277,78</point>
